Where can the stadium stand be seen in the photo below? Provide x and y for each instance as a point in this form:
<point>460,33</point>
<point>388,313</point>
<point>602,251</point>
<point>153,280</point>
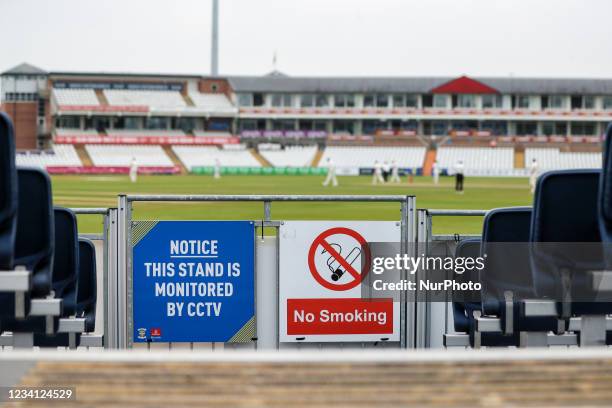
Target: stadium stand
<point>76,132</point>
<point>554,159</point>
<point>46,246</point>
<point>75,97</point>
<point>213,103</point>
<point>205,156</point>
<point>478,161</point>
<point>296,156</point>
<point>154,99</point>
<point>61,155</point>
<point>347,158</point>
<point>122,155</point>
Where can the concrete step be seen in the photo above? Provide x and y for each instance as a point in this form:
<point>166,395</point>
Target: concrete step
<point>519,158</point>
<point>317,157</point>
<point>175,159</point>
<point>188,99</point>
<point>83,155</point>
<point>262,160</point>
<point>101,97</point>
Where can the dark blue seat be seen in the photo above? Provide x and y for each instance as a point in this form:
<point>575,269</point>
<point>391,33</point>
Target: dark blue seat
<point>463,312</point>
<point>87,286</point>
<point>35,228</point>
<point>564,234</point>
<point>34,242</point>
<point>507,274</point>
<point>85,298</point>
<point>65,273</point>
<point>605,199</point>
<point>8,193</point>
<point>66,262</point>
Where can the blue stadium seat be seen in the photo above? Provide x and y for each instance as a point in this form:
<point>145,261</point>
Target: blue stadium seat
<point>66,262</point>
<point>65,274</point>
<point>8,193</point>
<point>507,278</point>
<point>85,298</point>
<point>605,199</point>
<point>35,228</point>
<point>34,243</point>
<point>463,312</point>
<point>566,220</point>
<point>87,286</point>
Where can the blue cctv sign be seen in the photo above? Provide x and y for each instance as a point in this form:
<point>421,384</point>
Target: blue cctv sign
<point>193,281</point>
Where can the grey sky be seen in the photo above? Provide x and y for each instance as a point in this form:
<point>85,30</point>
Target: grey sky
<point>313,37</point>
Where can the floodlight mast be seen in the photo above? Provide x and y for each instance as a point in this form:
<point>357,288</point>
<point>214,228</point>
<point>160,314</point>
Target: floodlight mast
<point>214,58</point>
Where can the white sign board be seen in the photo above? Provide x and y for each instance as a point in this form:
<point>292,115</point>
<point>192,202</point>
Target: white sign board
<point>320,271</point>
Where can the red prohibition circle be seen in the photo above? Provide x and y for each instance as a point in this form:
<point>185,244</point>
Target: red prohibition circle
<point>357,277</point>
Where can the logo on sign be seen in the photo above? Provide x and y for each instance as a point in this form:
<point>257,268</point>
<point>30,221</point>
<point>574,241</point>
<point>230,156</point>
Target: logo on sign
<point>155,332</point>
<point>142,333</point>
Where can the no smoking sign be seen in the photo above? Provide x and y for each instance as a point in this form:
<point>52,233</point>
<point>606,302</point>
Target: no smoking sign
<point>339,258</point>
<point>321,267</point>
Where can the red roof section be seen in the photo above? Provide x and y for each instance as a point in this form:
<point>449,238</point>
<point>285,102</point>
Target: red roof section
<point>464,85</point>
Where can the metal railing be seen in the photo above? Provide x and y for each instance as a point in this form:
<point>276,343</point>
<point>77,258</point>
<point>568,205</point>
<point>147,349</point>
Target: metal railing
<point>124,276</point>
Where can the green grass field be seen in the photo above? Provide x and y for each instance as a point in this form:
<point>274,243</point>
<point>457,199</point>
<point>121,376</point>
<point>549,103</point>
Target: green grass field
<point>101,191</point>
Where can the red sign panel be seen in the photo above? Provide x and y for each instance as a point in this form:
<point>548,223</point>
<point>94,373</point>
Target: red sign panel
<point>339,316</point>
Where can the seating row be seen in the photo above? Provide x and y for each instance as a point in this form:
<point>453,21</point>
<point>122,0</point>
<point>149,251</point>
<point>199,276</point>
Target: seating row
<point>545,267</point>
<point>47,274</point>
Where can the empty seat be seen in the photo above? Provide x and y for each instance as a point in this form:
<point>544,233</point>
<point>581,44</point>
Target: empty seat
<point>605,199</point>
<point>151,98</point>
<point>295,156</point>
<point>207,156</point>
<point>564,233</point>
<point>65,273</point>
<point>66,261</point>
<point>87,286</point>
<point>8,193</point>
<point>75,97</point>
<point>122,155</point>
<point>35,228</point>
<point>365,156</point>
<point>463,311</point>
<point>34,237</point>
<point>506,279</point>
<point>477,161</point>
<point>554,159</point>
<point>213,103</point>
<point>61,155</point>
<point>85,298</point>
